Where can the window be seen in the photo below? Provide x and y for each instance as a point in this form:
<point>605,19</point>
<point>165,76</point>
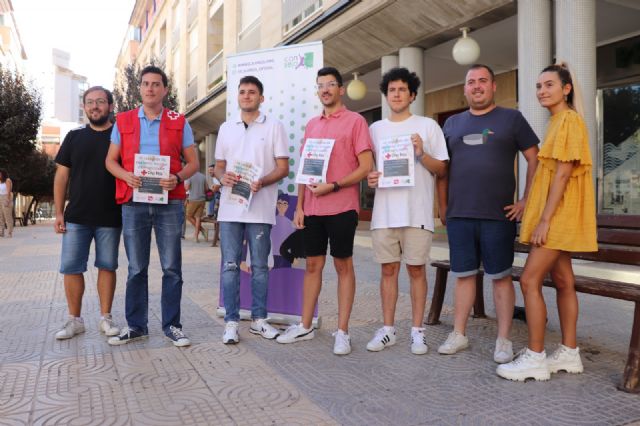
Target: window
<point>296,11</point>
<point>620,185</point>
<point>249,12</point>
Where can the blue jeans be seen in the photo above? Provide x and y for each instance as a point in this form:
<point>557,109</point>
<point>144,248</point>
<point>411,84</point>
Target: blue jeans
<point>77,241</point>
<point>137,221</point>
<point>259,240</point>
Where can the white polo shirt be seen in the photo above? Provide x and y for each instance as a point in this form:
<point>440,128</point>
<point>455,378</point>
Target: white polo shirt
<point>260,143</point>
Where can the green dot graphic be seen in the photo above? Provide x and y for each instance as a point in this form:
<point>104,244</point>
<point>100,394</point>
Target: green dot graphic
<point>291,175</point>
<point>291,188</point>
<point>291,149</point>
<point>292,161</point>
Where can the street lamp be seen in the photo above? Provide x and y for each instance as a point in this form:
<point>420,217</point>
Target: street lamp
<point>356,89</point>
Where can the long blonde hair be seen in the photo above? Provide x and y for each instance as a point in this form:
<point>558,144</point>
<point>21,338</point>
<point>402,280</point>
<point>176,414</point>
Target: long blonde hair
<point>574,98</point>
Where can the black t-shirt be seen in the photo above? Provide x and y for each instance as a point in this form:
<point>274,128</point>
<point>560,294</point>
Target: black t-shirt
<point>92,189</point>
<point>482,151</point>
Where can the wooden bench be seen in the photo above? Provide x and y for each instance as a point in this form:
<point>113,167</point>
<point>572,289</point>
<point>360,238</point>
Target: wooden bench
<point>619,243</point>
<point>210,224</point>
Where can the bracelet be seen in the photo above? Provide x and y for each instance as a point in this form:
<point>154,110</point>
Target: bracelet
<point>336,187</point>
<point>178,178</point>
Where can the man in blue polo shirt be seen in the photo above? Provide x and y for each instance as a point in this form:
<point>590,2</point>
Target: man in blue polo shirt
<point>151,129</point>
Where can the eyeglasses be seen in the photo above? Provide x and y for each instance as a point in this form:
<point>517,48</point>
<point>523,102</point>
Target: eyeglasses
<point>282,203</point>
<point>99,102</point>
<point>329,85</point>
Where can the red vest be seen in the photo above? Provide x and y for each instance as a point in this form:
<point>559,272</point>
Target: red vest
<point>170,138</point>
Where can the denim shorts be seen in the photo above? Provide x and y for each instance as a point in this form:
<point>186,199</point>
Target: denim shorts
<point>474,240</point>
<point>75,248</point>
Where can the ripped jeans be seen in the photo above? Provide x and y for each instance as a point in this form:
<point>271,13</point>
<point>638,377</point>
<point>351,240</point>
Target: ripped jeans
<point>258,237</point>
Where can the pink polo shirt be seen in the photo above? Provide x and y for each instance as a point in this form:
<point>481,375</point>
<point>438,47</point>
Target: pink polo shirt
<point>351,134</point>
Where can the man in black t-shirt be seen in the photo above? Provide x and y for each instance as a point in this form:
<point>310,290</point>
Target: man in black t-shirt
<point>91,214</point>
<point>479,207</point>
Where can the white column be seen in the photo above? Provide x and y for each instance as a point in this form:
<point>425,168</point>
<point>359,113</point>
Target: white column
<point>576,44</point>
<point>386,63</point>
<point>210,145</point>
<point>534,53</point>
<point>412,58</point>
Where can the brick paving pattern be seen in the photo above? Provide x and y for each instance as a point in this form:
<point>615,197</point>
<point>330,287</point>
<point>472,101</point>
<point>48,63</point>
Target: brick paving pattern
<point>84,381</point>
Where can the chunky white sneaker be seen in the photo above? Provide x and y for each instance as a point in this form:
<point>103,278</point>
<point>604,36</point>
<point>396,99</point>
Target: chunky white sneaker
<point>455,342</point>
<point>504,351</point>
<point>342,344</point>
<point>263,328</point>
<point>418,341</point>
<point>565,358</point>
<point>296,333</point>
<point>70,328</point>
<point>230,335</point>
<point>107,327</point>
<point>382,339</point>
<point>527,365</point>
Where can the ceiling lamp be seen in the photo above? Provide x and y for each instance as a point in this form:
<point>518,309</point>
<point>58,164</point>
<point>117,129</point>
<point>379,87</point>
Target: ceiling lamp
<point>466,51</point>
<point>356,90</point>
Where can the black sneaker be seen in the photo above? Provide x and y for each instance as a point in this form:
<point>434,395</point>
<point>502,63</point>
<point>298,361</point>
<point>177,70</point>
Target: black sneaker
<point>177,336</point>
<point>127,335</point>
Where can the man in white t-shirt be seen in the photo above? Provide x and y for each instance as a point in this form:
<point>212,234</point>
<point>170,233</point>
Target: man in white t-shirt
<point>402,221</point>
<point>261,141</point>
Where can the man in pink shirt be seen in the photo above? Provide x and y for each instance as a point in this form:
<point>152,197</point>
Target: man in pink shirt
<point>328,212</point>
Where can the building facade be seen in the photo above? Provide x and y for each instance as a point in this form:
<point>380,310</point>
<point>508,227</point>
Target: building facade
<point>599,38</point>
<point>12,53</point>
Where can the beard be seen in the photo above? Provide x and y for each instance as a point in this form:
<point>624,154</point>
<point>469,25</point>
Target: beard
<point>100,121</point>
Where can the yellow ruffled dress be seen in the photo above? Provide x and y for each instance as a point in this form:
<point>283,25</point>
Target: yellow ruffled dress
<point>573,225</point>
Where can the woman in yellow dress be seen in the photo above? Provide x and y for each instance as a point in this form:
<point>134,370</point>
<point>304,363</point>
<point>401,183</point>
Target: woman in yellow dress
<point>559,218</point>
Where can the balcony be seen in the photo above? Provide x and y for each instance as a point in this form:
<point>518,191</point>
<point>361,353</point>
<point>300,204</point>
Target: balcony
<point>175,37</point>
<point>215,70</point>
<point>192,91</point>
<point>249,38</point>
<point>192,14</point>
<point>163,55</point>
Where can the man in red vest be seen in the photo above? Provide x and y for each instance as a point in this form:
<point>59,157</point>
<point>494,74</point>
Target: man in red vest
<point>152,129</point>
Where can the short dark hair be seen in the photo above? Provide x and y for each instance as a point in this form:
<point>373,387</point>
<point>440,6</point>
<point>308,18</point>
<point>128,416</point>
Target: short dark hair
<point>486,67</point>
<point>152,69</point>
<point>3,176</point>
<point>330,71</point>
<point>249,79</point>
<point>95,89</point>
<point>401,74</point>
<point>212,165</point>
<point>283,196</point>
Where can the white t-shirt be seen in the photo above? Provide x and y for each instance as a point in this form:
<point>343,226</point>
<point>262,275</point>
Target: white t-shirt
<point>408,206</point>
<point>261,143</point>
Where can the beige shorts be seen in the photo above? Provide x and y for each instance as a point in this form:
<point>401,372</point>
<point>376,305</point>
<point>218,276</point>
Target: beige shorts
<point>195,208</point>
<point>407,244</point>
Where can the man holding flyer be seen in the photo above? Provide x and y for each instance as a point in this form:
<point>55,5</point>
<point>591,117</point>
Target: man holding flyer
<point>251,157</point>
<point>410,151</point>
<point>339,144</point>
<point>139,134</point>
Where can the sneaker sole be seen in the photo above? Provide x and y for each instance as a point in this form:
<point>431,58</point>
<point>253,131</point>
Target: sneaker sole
<point>502,361</point>
<point>231,342</point>
<point>110,333</point>
<point>251,330</point>
<point>178,344</point>
<point>537,375</point>
<point>447,352</point>
<point>70,337</point>
<point>307,336</point>
<point>575,369</point>
<point>420,352</point>
<point>380,349</point>
<point>124,342</point>
<point>342,353</point>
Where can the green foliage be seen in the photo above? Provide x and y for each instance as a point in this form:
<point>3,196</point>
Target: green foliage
<point>126,89</point>
<point>20,115</point>
<point>35,175</point>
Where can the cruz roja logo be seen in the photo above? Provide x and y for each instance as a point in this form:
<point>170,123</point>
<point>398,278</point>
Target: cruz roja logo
<point>299,61</point>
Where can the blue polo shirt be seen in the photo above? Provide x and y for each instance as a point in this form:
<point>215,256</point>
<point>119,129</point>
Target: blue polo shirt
<point>150,133</point>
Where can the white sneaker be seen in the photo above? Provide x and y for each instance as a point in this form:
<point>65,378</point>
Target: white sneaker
<point>504,351</point>
<point>382,339</point>
<point>527,365</point>
<point>342,344</point>
<point>565,358</point>
<point>455,342</point>
<point>107,327</point>
<point>418,341</point>
<point>70,328</point>
<point>230,335</point>
<point>263,328</point>
<point>296,333</point>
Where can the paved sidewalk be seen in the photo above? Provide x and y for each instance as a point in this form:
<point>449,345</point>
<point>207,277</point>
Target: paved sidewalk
<point>86,381</point>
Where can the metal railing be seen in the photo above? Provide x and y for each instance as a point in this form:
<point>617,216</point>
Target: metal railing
<point>193,13</point>
<point>192,91</point>
<point>215,69</point>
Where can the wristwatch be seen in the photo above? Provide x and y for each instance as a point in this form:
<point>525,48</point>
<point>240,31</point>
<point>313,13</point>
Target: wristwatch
<point>178,178</point>
<point>336,187</point>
